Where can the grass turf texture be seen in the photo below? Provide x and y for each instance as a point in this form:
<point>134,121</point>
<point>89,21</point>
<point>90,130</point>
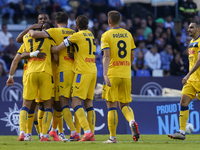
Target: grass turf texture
<point>146,142</point>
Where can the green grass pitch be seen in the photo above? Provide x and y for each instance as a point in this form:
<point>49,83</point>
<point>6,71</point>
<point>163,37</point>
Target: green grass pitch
<point>124,142</point>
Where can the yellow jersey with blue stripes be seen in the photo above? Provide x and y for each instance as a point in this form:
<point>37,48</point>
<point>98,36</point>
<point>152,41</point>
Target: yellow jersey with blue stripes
<point>193,50</point>
<point>39,64</point>
<point>58,35</point>
<point>85,49</point>
<point>121,43</point>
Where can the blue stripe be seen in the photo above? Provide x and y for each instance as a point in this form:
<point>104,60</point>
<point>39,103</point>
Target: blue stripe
<point>77,107</point>
<point>105,48</point>
<point>133,49</point>
<point>66,106</point>
<point>47,33</point>
<point>78,78</point>
<point>46,117</point>
<point>61,77</point>
<point>183,108</point>
<point>42,109</point>
<point>48,109</point>
<point>52,79</point>
<point>58,110</point>
<point>112,108</point>
<point>89,109</point>
<point>123,106</point>
<point>25,108</point>
<point>31,111</point>
<point>35,122</point>
<point>19,53</point>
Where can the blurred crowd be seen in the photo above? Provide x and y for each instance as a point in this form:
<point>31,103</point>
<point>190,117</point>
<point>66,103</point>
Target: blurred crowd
<point>161,43</point>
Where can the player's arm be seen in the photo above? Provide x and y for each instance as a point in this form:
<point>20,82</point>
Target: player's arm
<point>13,67</point>
<point>38,34</point>
<point>56,49</point>
<point>37,53</point>
<point>19,38</point>
<point>132,56</point>
<point>194,68</point>
<point>56,57</point>
<point>106,62</point>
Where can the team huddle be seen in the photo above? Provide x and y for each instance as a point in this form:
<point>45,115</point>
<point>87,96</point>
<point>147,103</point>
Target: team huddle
<point>59,65</point>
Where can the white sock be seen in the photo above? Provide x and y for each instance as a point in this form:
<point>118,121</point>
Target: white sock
<point>44,135</point>
<point>52,129</point>
<point>87,131</point>
<point>79,134</point>
<point>182,131</point>
<point>40,134</point>
<point>112,137</point>
<point>73,132</point>
<point>22,132</point>
<point>130,123</point>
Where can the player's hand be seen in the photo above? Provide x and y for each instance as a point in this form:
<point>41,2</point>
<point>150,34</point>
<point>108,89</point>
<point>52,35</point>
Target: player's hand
<point>36,26</point>
<point>41,54</point>
<point>184,81</point>
<point>107,80</point>
<point>10,82</point>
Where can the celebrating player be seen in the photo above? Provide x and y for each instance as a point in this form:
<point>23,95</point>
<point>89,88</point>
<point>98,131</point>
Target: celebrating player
<point>191,82</point>
<point>65,73</point>
<point>118,45</point>
<point>85,75</point>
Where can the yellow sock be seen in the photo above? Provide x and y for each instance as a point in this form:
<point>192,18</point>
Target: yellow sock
<point>183,117</point>
<point>91,117</point>
<point>23,118</point>
<point>112,121</point>
<point>29,126</point>
<point>57,120</point>
<point>79,112</point>
<point>68,117</point>
<point>60,123</point>
<point>77,124</point>
<point>128,113</point>
<point>46,121</point>
<point>40,117</point>
<point>36,127</point>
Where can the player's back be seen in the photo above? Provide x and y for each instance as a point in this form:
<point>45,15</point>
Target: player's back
<point>120,42</point>
<point>85,49</point>
<point>37,64</point>
<point>58,35</point>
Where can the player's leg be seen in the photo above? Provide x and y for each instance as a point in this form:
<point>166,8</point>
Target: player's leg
<point>36,119</point>
<point>65,83</point>
<point>23,118</point>
<point>57,114</point>
<point>91,116</point>
<point>40,117</point>
<point>77,125</point>
<point>29,94</point>
<point>80,113</point>
<point>124,100</point>
<point>31,116</point>
<point>81,86</point>
<point>188,93</point>
<point>46,86</point>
